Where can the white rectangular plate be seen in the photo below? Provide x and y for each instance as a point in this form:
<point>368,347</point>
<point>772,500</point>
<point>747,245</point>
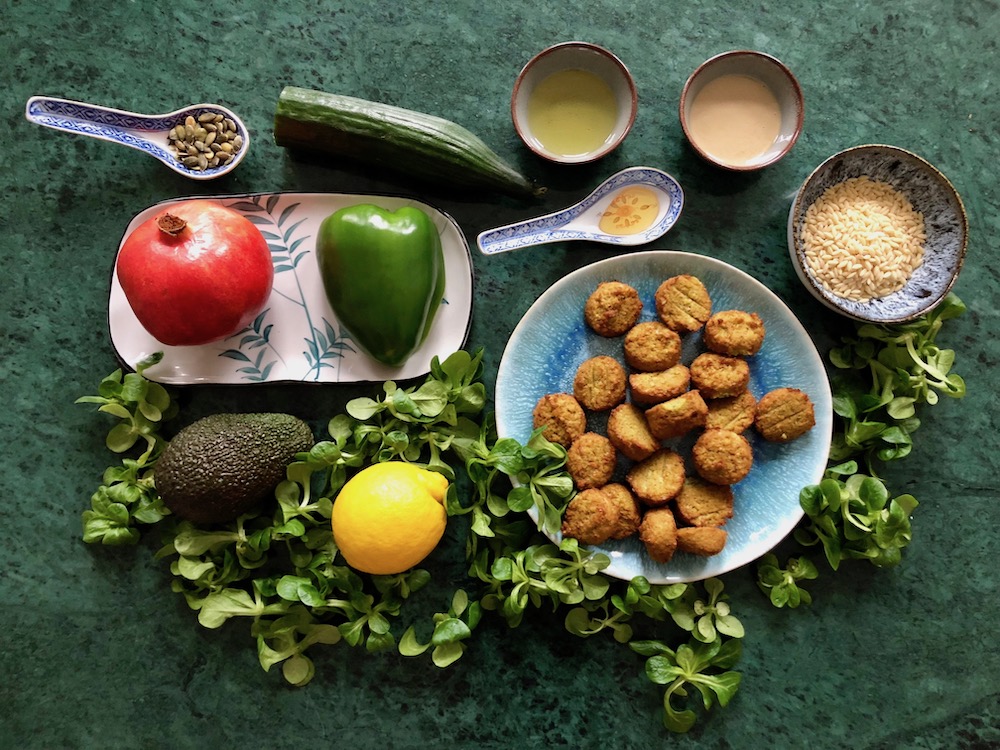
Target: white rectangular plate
<point>297,338</point>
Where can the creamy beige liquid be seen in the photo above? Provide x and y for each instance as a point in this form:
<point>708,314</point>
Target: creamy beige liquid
<point>572,112</point>
<point>735,119</point>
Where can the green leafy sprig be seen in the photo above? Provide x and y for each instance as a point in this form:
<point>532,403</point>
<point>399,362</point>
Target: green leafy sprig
<point>781,584</point>
<point>451,630</point>
<point>126,497</point>
<point>885,372</point>
<point>705,667</point>
<point>855,518</point>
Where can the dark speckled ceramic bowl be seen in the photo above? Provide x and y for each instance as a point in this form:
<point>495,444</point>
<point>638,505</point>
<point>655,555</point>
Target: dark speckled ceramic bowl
<point>930,193</point>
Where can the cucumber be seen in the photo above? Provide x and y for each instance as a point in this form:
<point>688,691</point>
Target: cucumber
<point>400,139</point>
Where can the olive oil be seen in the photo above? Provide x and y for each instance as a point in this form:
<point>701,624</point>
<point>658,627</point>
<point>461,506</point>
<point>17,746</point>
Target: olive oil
<point>572,112</point>
<point>632,210</point>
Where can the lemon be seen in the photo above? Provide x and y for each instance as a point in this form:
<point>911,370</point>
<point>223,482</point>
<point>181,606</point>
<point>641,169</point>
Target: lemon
<point>389,516</point>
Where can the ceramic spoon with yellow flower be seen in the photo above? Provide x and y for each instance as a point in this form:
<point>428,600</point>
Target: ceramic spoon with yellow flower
<point>632,207</point>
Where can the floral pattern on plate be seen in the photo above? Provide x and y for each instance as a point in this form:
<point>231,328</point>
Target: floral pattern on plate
<point>296,337</point>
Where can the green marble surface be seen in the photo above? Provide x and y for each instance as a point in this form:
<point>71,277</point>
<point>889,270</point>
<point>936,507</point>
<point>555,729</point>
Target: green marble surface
<point>95,650</point>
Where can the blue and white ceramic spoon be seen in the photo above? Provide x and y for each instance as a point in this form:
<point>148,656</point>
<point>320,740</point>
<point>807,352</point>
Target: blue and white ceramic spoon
<point>147,133</point>
<point>581,221</point>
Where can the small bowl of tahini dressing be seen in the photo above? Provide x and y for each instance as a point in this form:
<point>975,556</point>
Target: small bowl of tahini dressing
<point>742,110</point>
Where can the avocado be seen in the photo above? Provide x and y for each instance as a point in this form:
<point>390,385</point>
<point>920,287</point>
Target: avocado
<point>224,465</point>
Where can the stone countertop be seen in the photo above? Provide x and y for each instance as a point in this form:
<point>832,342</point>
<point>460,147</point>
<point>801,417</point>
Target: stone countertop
<point>97,652</point>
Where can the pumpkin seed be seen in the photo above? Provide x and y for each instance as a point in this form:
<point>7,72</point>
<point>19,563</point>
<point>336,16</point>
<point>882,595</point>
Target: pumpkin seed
<point>208,141</point>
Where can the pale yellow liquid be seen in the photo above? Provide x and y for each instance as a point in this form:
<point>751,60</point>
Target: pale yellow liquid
<point>572,112</point>
<point>632,210</point>
<point>735,119</point>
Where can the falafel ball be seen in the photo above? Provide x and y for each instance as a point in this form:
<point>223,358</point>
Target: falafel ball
<point>784,414</point>
<point>599,383</point>
<point>629,512</point>
<point>612,308</point>
<point>733,413</point>
<point>655,387</point>
<point>722,457</point>
<point>736,333</point>
<point>658,479</point>
<point>703,541</point>
<point>591,517</point>
<point>591,460</point>
<point>658,531</point>
<point>629,432</point>
<point>701,503</point>
<point>719,376</point>
<point>683,303</point>
<point>651,346</point>
<point>678,416</point>
<point>562,417</point>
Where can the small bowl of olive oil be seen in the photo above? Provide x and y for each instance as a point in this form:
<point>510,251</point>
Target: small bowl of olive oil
<point>574,103</point>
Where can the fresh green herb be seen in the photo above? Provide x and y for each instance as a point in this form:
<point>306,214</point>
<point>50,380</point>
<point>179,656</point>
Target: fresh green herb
<point>126,496</point>
<point>281,568</point>
<point>706,617</point>
<point>885,373</point>
<point>707,667</point>
<point>450,632</point>
<point>856,518</point>
<point>781,585</point>
<point>539,574</point>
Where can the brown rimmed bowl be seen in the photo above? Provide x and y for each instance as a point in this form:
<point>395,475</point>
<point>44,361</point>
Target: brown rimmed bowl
<point>575,56</point>
<point>929,192</point>
<point>772,73</point>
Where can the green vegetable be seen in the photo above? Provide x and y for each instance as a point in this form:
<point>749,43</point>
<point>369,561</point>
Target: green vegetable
<point>397,139</point>
<point>221,466</point>
<point>781,586</point>
<point>127,496</point>
<point>884,373</point>
<point>450,632</point>
<point>383,272</point>
<point>704,666</point>
<point>280,568</point>
<point>856,519</point>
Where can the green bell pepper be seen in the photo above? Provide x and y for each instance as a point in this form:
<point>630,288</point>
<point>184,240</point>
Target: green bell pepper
<point>383,272</point>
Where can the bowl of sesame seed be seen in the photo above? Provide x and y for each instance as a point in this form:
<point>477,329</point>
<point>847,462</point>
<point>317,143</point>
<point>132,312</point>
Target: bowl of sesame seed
<point>878,234</point>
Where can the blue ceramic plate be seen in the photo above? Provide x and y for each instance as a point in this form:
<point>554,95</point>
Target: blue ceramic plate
<point>552,340</point>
